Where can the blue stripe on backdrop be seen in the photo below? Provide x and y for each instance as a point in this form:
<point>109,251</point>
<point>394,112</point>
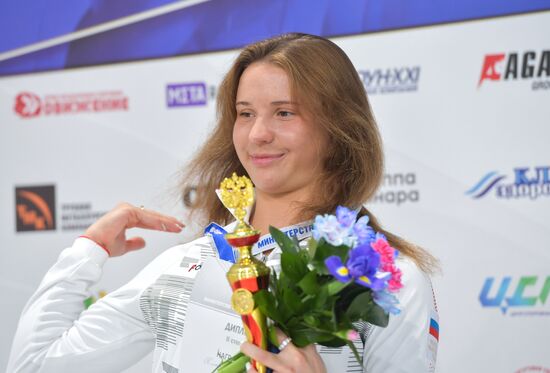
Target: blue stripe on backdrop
<point>211,25</point>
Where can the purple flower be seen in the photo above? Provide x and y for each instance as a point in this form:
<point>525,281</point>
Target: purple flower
<point>364,233</point>
<point>387,301</point>
<point>362,267</point>
<point>337,269</point>
<point>363,261</point>
<point>345,216</point>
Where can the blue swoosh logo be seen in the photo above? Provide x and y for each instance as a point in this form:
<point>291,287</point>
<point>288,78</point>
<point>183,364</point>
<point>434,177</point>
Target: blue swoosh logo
<point>486,183</point>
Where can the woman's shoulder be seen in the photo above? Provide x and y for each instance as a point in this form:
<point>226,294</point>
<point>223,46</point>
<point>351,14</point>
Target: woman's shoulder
<point>417,284</point>
<point>409,342</point>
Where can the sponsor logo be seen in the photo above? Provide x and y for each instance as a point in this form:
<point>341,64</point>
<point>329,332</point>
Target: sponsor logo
<point>35,211</point>
<point>529,65</point>
<point>533,369</point>
<point>189,94</point>
<point>390,80</point>
<point>35,208</point>
<point>29,105</point>
<point>194,267</point>
<point>528,182</point>
<point>398,188</point>
<point>526,296</point>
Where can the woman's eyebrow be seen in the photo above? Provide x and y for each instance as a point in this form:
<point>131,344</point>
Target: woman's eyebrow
<point>274,103</point>
<point>283,102</point>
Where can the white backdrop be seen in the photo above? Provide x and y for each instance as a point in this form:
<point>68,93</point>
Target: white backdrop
<point>445,133</point>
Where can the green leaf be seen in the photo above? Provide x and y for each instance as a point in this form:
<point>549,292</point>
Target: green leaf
<point>360,307</point>
<point>321,300</point>
<point>294,266</point>
<point>363,308</point>
<point>312,320</point>
<point>292,301</point>
<point>324,250</point>
<point>355,352</point>
<point>334,342</point>
<point>378,316</point>
<point>309,284</point>
<point>304,335</point>
<point>235,364</point>
<point>268,305</point>
<point>283,241</point>
<point>335,286</point>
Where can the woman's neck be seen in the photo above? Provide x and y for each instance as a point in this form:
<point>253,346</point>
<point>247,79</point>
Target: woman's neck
<point>278,211</point>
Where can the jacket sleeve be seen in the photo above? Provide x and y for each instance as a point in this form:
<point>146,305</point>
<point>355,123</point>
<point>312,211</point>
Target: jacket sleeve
<point>56,334</point>
<point>409,343</point>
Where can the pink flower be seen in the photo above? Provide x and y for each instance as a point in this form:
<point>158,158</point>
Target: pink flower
<point>394,284</point>
<point>387,263</point>
<point>387,253</point>
<point>352,335</point>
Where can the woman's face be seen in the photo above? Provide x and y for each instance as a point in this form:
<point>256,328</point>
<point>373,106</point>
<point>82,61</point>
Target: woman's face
<point>277,140</point>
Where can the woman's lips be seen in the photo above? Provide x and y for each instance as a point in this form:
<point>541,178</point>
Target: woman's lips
<point>265,159</point>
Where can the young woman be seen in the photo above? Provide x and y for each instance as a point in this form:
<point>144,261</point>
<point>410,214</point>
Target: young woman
<point>294,117</point>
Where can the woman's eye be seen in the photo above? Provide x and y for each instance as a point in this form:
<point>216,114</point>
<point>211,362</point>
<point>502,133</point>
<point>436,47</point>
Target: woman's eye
<point>285,114</point>
<point>245,114</point>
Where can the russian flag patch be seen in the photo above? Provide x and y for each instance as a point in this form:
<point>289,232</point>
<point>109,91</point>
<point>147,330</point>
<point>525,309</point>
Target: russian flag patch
<point>434,329</point>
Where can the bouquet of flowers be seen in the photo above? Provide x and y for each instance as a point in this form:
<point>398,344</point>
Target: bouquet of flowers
<point>345,274</point>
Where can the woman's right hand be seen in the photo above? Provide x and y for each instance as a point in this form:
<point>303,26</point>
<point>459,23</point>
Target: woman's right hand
<point>109,231</point>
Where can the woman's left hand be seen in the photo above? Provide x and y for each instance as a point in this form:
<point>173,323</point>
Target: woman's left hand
<point>291,359</point>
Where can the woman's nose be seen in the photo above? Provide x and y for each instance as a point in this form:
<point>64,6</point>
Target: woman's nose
<point>261,131</point>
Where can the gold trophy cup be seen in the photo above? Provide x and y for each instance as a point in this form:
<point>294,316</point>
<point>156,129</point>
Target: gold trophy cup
<point>248,275</point>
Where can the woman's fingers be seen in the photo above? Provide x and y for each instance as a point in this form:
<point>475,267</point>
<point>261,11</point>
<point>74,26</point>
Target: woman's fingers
<point>149,219</point>
<point>290,359</point>
<point>285,343</point>
<point>110,230</point>
<point>264,357</point>
<point>134,243</point>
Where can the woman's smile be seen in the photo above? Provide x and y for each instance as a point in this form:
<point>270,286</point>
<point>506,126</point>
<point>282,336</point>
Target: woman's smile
<point>266,159</point>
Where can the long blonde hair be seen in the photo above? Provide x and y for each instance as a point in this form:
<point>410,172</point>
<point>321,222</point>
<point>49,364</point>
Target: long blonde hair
<point>324,80</point>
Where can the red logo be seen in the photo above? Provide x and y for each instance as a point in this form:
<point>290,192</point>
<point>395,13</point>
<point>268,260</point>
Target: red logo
<point>489,70</point>
<point>529,65</point>
<point>35,208</point>
<point>27,105</point>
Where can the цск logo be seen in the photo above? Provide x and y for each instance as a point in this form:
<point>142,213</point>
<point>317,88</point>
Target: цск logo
<point>30,105</point>
<point>528,182</point>
<point>35,208</point>
<point>528,292</point>
<point>514,66</point>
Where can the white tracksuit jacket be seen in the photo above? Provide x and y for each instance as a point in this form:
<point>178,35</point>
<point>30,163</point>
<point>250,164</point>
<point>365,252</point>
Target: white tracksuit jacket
<point>55,334</point>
